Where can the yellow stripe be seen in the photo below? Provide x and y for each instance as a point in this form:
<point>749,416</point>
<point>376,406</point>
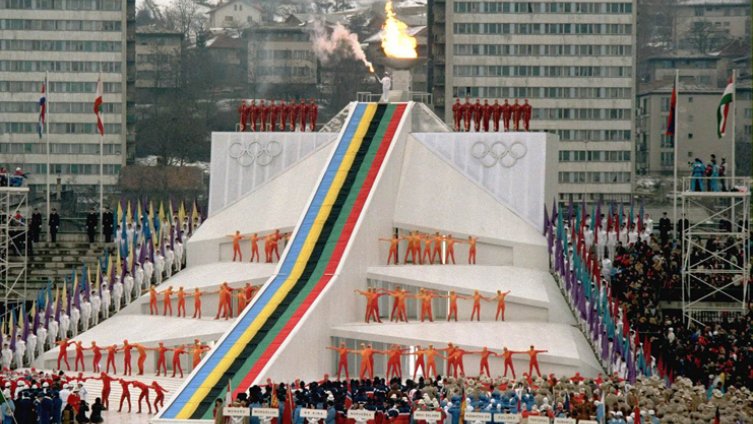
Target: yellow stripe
<point>306,249</point>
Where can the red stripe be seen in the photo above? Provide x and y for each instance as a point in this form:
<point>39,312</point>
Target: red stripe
<point>336,254</point>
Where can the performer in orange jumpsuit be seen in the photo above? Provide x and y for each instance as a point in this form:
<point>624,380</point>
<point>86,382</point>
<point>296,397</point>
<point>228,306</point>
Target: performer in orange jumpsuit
<point>426,297</point>
<point>79,356</point>
<point>125,394</point>
<point>224,299</point>
<point>367,361</point>
<point>153,309</point>
<point>63,353</point>
<point>496,114</point>
<point>127,357</point>
<point>142,358</point>
<point>106,388</point>
<point>486,114</point>
<point>471,249</point>
<point>181,302</point>
<point>254,114</point>
<point>500,297</point>
<point>457,113</point>
<point>303,114</point>
<point>394,241</point>
<point>437,250</point>
<point>242,301</point>
<point>450,248</point>
<point>526,111</point>
<point>409,250</point>
<point>249,291</point>
<point>237,246</point>
<point>456,358</point>
<point>275,244</point>
<point>534,360</point>
<point>372,304</point>
<point>467,114</point>
<point>143,395</point>
<point>111,351</point>
<point>254,247</point>
<point>313,114</point>
<point>167,303</point>
<point>342,359</point>
<point>159,398</point>
<point>264,109</point>
<point>453,300</point>
<point>197,303</point>
<point>476,311</point>
<point>283,113</point>
<point>398,304</point>
<point>484,364</point>
<point>431,362</point>
<point>97,358</point>
<point>161,359</point>
<point>506,114</point>
<point>516,115</point>
<point>426,255</point>
<point>507,356</point>
<point>450,349</point>
<point>419,361</point>
<point>177,351</point>
<point>394,359</point>
<point>477,112</point>
<point>197,350</point>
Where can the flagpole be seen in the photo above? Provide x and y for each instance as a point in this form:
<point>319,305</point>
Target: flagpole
<point>675,140</point>
<point>47,143</point>
<point>734,109</point>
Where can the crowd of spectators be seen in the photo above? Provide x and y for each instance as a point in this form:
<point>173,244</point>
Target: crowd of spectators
<point>607,400</point>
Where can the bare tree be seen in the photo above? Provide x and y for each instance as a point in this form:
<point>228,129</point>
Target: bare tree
<point>184,16</point>
<point>703,37</point>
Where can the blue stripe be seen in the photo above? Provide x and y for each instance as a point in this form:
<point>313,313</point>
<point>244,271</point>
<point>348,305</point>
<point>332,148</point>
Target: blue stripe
<point>220,351</point>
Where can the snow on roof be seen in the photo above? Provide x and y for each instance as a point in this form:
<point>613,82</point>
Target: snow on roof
<point>714,3</point>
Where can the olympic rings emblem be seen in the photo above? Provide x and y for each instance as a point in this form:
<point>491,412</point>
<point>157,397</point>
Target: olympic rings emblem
<point>246,153</point>
<point>498,153</point>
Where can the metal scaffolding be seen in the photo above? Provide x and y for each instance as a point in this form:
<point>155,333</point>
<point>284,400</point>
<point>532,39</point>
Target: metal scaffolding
<point>13,243</point>
<point>715,250</point>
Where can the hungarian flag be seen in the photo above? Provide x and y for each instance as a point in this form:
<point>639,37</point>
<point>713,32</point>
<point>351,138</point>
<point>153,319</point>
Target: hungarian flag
<point>42,108</point>
<point>672,111</point>
<point>723,110</point>
<point>98,106</point>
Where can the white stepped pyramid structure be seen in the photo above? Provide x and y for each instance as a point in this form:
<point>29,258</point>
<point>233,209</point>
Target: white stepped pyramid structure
<point>390,167</point>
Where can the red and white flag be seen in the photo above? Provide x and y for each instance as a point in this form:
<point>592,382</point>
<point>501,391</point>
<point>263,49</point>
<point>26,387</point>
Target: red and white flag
<point>98,106</point>
<point>723,110</point>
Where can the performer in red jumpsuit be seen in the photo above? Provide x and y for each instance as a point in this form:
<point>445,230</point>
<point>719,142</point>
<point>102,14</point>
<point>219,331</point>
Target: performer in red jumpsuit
<point>313,114</point>
<point>153,308</point>
<point>159,399</point>
<point>467,114</point>
<point>63,353</point>
<point>142,358</point>
<point>177,351</point>
<point>97,358</point>
<point>181,302</point>
<point>477,111</point>
<point>254,114</point>
<point>533,360</point>
<point>161,360</point>
<point>476,310</point>
<point>303,114</point>
<point>79,356</point>
<point>111,351</point>
<point>243,112</point>
<point>143,395</point>
<point>506,114</point>
<point>295,110</point>
<point>197,303</point>
<point>457,113</point>
<point>125,393</point>
<point>167,303</point>
<point>283,114</point>
<point>106,388</point>
<point>526,111</point>
<point>516,115</point>
<point>419,361</point>
<point>264,115</point>
<point>484,364</point>
<point>127,357</point>
<point>394,241</point>
<point>367,361</point>
<point>496,114</point>
<point>291,115</point>
<point>342,359</point>
<point>274,113</point>
<point>486,114</point>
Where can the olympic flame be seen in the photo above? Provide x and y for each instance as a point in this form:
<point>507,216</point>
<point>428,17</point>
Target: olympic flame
<point>396,42</point>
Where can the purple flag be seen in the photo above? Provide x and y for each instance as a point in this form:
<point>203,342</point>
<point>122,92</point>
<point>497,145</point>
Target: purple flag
<point>25,333</point>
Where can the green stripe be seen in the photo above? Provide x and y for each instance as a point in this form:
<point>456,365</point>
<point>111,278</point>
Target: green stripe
<point>326,252</point>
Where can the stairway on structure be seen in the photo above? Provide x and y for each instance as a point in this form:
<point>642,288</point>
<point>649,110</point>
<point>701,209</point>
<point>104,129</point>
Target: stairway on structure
<point>55,261</point>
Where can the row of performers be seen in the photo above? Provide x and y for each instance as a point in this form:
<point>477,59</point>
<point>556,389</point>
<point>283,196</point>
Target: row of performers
<point>278,116</point>
<point>482,113</point>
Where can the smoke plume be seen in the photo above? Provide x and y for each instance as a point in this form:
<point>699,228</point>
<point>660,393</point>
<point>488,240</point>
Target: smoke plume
<point>340,42</point>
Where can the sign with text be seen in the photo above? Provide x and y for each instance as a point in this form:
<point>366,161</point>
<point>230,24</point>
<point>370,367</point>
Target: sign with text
<point>360,414</point>
<point>233,411</point>
<point>314,413</point>
<point>587,422</point>
<point>427,415</point>
<point>538,420</point>
<point>507,418</point>
<point>265,412</point>
<point>478,416</point>
<point>564,421</point>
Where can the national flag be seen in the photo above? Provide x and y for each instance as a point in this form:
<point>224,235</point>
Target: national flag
<point>672,111</point>
<point>463,406</point>
<point>287,412</point>
<point>723,110</point>
<point>717,416</point>
<point>98,106</point>
<point>228,394</point>
<point>42,108</point>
